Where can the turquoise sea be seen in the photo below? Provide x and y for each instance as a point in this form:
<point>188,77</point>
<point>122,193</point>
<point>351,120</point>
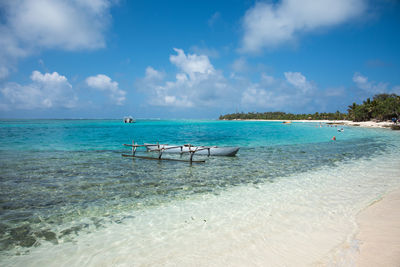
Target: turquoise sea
<point>289,197</point>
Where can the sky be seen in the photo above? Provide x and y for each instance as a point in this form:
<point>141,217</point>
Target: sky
<point>194,59</point>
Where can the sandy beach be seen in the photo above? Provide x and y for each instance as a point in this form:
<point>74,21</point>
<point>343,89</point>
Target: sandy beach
<point>368,124</point>
<point>379,233</point>
<point>379,224</point>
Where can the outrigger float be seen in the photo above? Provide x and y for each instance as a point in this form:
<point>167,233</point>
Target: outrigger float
<point>181,149</point>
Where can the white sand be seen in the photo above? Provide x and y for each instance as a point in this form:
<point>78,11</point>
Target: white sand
<point>369,124</point>
<point>379,233</point>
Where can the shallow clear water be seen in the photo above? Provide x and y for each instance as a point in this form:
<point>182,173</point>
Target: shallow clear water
<point>64,180</point>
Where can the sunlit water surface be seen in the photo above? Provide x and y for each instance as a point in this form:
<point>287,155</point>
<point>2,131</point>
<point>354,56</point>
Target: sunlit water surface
<point>289,197</point>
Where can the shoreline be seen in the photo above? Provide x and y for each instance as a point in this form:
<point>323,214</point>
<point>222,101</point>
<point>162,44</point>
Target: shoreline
<point>266,230</point>
<point>379,230</point>
<point>374,241</point>
<point>294,220</point>
<point>367,124</point>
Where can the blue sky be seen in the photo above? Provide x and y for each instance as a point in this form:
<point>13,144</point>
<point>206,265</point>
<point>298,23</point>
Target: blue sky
<point>194,59</point>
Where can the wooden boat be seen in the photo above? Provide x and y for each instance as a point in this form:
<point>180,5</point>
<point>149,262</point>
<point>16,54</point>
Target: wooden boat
<point>191,150</point>
<point>198,150</point>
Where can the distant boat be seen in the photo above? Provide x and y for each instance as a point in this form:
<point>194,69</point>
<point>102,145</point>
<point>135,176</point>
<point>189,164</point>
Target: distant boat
<point>129,119</point>
<point>286,122</point>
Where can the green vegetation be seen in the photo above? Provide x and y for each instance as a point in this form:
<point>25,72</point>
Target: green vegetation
<point>382,107</point>
<point>283,116</point>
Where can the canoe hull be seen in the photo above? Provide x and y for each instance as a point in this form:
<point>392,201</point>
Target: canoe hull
<point>214,151</point>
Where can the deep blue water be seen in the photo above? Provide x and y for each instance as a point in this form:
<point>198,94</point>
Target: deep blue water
<point>62,177</point>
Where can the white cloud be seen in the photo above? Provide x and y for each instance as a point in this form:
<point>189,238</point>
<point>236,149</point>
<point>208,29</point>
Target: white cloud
<point>104,83</point>
<point>152,74</point>
<point>299,81</point>
<point>360,80</point>
<point>47,90</point>
<point>29,26</point>
<point>272,24</point>
<point>196,83</point>
<point>371,87</point>
<point>192,64</point>
<point>279,94</point>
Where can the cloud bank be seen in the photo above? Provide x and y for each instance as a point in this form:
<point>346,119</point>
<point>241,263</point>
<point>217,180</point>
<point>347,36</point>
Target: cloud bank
<point>30,26</point>
<point>104,83</point>
<point>268,25</point>
<point>372,87</point>
<point>279,94</point>
<point>198,83</point>
<point>46,91</point>
<point>52,90</point>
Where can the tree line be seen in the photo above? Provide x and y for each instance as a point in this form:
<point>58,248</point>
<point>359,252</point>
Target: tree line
<point>381,107</point>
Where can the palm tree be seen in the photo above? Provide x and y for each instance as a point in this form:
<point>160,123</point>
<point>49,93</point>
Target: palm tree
<point>351,110</point>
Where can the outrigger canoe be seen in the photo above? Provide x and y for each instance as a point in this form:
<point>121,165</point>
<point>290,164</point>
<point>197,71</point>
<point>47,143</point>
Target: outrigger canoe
<point>198,150</point>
